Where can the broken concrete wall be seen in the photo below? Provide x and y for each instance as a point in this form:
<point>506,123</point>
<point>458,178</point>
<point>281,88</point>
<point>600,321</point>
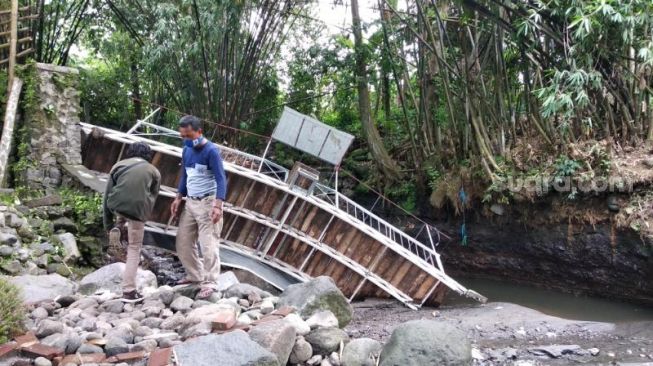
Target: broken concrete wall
<point>51,133</point>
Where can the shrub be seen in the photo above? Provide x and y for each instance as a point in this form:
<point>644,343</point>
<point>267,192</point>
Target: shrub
<point>12,311</point>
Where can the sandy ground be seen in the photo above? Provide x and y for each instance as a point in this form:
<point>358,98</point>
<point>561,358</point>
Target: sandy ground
<point>509,334</point>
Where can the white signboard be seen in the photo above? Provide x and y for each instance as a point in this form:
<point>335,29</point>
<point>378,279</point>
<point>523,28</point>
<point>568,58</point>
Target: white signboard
<point>312,136</point>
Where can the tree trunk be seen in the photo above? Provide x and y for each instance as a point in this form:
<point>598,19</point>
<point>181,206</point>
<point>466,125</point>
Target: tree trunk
<point>380,155</point>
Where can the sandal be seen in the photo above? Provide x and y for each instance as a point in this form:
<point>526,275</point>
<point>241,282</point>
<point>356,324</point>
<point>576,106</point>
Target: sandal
<point>184,281</point>
<point>205,293</point>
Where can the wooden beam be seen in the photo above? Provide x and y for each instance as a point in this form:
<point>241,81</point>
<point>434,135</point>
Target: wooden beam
<point>13,41</point>
<point>8,129</point>
<point>24,52</point>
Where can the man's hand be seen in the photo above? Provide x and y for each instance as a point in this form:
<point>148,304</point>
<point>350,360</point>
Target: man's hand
<point>174,207</point>
<point>216,211</point>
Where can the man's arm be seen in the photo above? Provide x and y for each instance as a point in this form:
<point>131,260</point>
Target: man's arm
<point>182,191</point>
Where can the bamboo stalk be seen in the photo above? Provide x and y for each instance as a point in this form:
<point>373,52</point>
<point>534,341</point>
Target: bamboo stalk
<point>12,42</point>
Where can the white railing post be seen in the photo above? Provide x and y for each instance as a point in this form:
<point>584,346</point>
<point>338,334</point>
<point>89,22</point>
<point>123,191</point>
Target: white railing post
<point>267,147</point>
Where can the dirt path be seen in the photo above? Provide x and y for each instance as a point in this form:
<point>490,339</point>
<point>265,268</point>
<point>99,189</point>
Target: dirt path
<point>504,333</point>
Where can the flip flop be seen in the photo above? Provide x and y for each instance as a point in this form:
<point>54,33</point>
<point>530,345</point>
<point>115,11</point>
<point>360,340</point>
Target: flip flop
<point>205,293</point>
<point>184,281</point>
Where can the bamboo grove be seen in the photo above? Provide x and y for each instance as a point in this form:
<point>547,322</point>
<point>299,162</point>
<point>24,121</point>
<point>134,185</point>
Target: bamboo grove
<point>429,87</point>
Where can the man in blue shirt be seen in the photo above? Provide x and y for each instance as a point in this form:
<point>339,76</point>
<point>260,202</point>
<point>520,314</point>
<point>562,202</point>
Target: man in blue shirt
<point>204,185</point>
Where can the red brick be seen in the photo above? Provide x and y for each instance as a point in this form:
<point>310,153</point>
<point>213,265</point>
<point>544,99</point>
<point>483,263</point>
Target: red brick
<point>79,359</point>
<point>26,340</point>
<point>7,349</point>
<point>41,350</point>
<point>160,357</point>
<point>224,320</point>
<point>130,356</point>
<point>284,311</point>
<point>267,318</point>
<point>243,327</point>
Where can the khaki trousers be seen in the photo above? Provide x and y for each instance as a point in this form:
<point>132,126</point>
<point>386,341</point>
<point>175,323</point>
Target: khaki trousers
<point>195,223</point>
<point>135,231</point>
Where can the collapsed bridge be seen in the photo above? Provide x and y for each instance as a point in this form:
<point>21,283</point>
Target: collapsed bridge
<point>290,221</point>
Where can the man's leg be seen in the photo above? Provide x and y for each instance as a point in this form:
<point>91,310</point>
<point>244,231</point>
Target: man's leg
<point>209,237</point>
<point>185,244</point>
<point>135,234</point>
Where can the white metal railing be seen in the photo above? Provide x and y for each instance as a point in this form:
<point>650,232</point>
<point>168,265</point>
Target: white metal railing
<point>423,251</point>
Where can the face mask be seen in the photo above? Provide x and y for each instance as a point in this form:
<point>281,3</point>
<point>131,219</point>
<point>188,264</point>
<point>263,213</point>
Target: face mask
<point>194,143</point>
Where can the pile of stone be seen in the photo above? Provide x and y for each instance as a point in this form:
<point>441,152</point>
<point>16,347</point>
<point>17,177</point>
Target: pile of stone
<point>26,250</point>
<point>240,324</point>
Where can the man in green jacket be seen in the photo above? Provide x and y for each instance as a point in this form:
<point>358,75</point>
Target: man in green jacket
<point>131,191</point>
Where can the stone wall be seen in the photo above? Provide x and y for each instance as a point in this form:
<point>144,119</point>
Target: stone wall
<point>51,134</point>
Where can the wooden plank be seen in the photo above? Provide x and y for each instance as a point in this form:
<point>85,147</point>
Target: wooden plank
<point>8,129</point>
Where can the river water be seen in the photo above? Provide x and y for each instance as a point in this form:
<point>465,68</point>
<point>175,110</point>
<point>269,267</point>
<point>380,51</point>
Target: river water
<point>553,303</point>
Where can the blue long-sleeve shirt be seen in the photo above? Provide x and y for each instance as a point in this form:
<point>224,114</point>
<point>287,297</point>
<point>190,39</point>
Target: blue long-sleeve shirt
<point>203,172</point>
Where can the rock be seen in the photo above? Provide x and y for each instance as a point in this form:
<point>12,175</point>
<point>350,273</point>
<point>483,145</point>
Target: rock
<point>152,308</point>
<point>301,328</point>
<point>200,329</point>
<point>142,331</point>
<point>301,351</point>
<point>233,348</point>
<point>60,269</point>
<point>317,295</point>
<point>361,352</point>
<point>49,200</point>
<point>65,224</point>
<point>594,351</point>
<point>68,341</point>
<point>115,346</point>
<point>315,360</point>
<point>42,361</point>
<point>153,322</point>
<point>39,313</point>
<point>182,303</point>
<point>110,278</point>
<point>243,290</point>
<point>112,306</point>
<point>84,303</point>
<point>8,239</point>
<point>226,280</point>
<point>12,267</point>
<point>334,359</point>
<point>166,296</point>
<point>6,251</point>
<point>554,351</point>
<point>426,342</point>
<point>326,340</point>
<point>71,251</point>
<point>267,307</point>
<point>277,336</point>
<point>23,254</point>
<point>48,327</point>
<point>14,221</point>
<point>173,323</point>
<point>147,346</point>
<point>123,333</point>
<point>322,319</point>
<point>46,287</point>
<point>66,300</point>
<point>89,348</point>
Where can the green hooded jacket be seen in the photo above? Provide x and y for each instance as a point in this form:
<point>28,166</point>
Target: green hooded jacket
<point>132,189</point>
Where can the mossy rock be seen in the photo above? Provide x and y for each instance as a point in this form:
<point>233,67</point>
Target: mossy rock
<point>318,294</point>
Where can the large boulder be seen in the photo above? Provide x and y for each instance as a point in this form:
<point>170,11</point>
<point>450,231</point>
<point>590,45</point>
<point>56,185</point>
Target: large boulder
<point>326,340</point>
<point>316,295</point>
<point>231,349</point>
<point>426,342</point>
<point>110,278</point>
<point>277,336</point>
<point>41,288</point>
<point>361,352</point>
<point>244,290</point>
